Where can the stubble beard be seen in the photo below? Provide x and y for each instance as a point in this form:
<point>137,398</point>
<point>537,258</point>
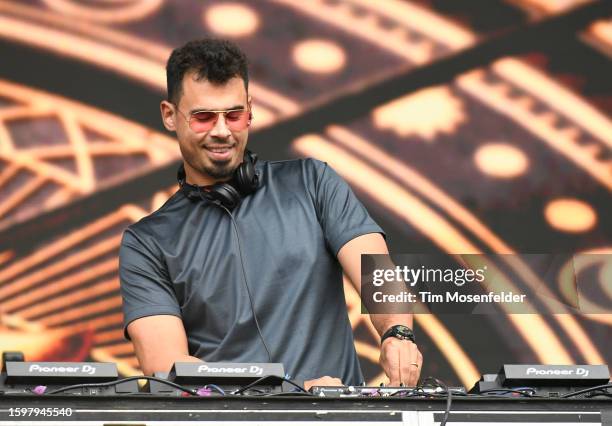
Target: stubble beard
<point>220,170</point>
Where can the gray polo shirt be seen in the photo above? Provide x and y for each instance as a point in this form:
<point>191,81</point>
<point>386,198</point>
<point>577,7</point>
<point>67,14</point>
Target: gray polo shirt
<point>184,260</point>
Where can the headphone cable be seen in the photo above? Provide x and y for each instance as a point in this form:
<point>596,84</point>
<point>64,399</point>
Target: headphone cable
<point>246,284</point>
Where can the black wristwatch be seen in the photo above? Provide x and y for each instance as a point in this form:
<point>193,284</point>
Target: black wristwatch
<point>400,331</point>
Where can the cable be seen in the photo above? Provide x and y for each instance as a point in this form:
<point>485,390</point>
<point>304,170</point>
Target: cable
<point>246,284</point>
<point>288,394</point>
<point>594,388</point>
<point>128,379</point>
<point>419,391</point>
<point>449,400</point>
<point>261,379</point>
<point>529,393</point>
<point>443,392</point>
<point>599,393</point>
<point>215,388</point>
<point>449,397</point>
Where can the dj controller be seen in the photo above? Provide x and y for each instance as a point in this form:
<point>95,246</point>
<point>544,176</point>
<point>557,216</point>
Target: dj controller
<point>92,393</point>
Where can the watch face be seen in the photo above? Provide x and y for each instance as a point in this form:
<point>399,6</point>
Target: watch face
<point>403,329</point>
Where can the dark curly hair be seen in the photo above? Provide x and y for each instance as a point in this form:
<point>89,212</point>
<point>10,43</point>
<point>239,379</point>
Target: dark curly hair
<point>215,60</point>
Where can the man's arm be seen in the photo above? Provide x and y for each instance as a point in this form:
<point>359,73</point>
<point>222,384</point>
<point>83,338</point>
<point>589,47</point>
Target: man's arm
<point>159,341</point>
<point>150,308</point>
<point>397,357</point>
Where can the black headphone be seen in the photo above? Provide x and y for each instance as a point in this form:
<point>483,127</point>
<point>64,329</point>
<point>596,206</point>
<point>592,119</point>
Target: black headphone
<point>244,181</point>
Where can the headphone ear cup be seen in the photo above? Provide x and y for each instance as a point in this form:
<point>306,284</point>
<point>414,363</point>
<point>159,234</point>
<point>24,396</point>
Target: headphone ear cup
<point>225,193</point>
<point>244,182</point>
<point>247,180</point>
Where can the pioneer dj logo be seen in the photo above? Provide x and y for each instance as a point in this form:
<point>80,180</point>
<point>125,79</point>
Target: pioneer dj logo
<point>85,369</point>
<point>88,369</point>
<point>252,369</point>
<point>557,372</point>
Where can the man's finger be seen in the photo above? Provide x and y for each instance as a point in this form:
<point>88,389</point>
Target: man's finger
<point>393,364</point>
<point>406,359</point>
<point>415,365</point>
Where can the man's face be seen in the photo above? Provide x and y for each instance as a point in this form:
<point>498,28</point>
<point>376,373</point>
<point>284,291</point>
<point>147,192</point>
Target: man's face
<point>211,155</point>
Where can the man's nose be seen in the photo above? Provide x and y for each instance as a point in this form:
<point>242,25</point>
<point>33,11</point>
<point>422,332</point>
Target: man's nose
<point>220,129</point>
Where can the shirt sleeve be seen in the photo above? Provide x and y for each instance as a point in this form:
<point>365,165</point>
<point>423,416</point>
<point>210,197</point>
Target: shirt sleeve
<point>145,287</point>
<point>341,214</point>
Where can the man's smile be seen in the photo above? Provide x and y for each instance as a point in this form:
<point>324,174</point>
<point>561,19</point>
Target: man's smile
<point>220,152</point>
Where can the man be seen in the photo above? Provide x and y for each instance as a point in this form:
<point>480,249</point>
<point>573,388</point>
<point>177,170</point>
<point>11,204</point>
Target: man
<point>259,282</point>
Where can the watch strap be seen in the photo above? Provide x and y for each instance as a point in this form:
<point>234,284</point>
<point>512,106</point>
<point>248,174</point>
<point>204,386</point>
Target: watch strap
<point>400,332</point>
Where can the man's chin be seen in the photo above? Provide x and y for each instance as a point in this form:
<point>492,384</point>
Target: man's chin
<point>220,170</point>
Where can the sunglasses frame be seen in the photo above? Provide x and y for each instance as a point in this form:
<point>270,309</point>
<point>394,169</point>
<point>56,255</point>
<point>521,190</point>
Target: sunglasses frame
<point>217,112</point>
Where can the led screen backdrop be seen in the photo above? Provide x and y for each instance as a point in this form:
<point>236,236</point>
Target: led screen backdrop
<point>477,126</point>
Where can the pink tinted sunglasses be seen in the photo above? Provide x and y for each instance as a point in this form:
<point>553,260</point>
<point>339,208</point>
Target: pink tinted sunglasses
<point>203,121</point>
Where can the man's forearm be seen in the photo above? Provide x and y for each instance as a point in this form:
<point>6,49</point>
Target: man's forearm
<point>383,322</point>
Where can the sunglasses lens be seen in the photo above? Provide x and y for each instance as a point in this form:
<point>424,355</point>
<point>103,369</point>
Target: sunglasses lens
<point>237,120</point>
<point>203,121</point>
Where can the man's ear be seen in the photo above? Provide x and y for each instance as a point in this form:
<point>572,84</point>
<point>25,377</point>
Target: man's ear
<point>168,115</point>
<point>250,108</point>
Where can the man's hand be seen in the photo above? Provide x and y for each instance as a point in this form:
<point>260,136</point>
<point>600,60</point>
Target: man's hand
<point>401,361</point>
<point>322,381</point>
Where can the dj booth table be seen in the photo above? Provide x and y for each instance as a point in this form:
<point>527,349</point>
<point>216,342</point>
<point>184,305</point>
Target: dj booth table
<point>280,411</point>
